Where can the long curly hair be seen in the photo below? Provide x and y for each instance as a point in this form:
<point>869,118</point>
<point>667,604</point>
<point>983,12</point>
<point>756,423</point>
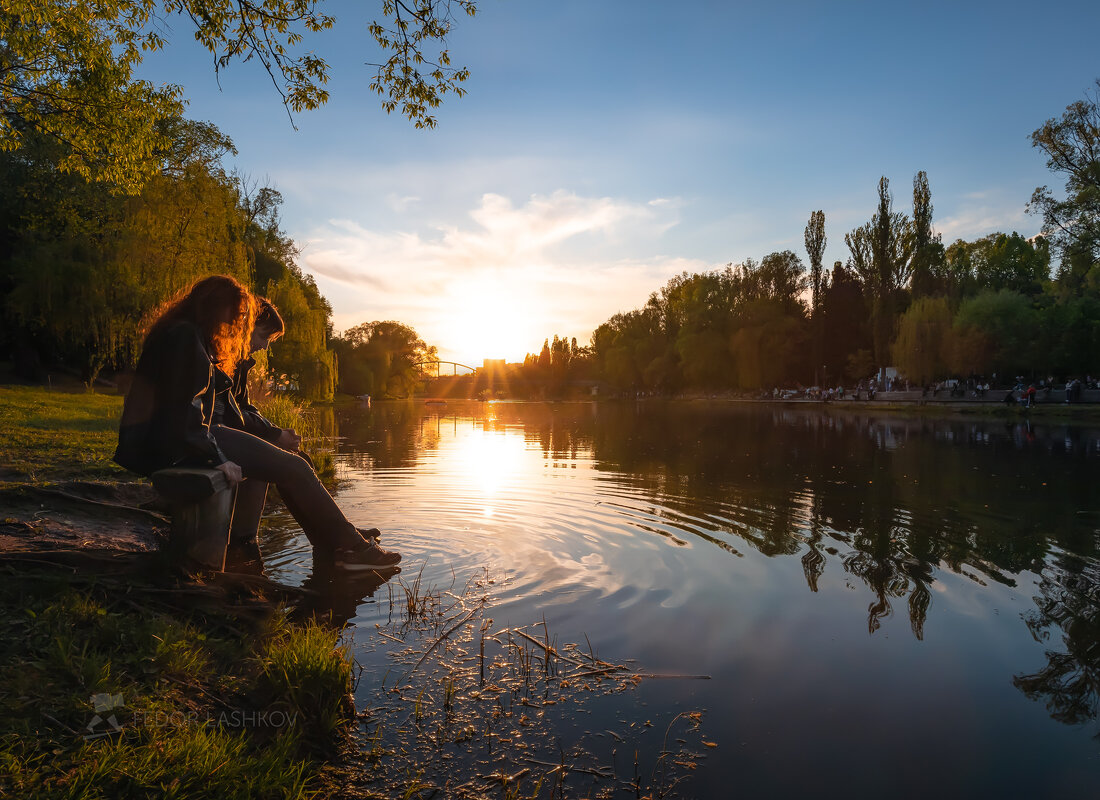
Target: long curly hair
<point>221,308</point>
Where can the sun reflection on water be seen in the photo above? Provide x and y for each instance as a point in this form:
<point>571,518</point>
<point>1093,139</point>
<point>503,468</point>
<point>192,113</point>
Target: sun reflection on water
<point>491,459</point>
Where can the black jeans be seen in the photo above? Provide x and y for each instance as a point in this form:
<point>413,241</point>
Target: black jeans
<point>305,496</point>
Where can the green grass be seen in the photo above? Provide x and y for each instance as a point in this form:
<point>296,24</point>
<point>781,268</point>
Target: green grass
<point>56,435</point>
<point>301,667</point>
<point>207,711</point>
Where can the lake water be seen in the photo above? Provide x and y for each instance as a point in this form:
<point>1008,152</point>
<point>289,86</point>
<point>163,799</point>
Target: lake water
<point>881,605</point>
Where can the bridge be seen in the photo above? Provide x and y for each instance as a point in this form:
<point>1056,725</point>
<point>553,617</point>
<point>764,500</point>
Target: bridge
<point>437,363</point>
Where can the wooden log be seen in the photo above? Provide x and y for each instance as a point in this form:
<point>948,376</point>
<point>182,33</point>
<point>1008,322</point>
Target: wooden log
<point>202,512</point>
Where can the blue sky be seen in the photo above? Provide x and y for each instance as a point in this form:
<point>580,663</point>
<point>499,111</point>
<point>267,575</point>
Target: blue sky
<point>605,146</point>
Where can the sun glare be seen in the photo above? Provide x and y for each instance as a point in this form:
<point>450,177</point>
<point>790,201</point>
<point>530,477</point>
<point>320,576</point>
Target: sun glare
<point>489,319</point>
<point>490,459</point>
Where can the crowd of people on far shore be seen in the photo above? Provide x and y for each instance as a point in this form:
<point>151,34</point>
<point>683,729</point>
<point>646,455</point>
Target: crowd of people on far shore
<point>863,390</point>
<point>1026,392</point>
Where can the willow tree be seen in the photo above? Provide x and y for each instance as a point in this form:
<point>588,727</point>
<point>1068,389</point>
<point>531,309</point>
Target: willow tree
<point>920,350</point>
<point>83,266</point>
<point>302,356</point>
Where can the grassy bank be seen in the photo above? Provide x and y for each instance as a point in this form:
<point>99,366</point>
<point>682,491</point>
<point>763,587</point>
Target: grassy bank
<point>51,435</point>
<point>48,435</point>
<point>113,687</point>
<point>117,679</point>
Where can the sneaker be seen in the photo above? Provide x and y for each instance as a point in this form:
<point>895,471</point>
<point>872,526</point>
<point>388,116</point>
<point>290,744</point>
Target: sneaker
<point>370,557</point>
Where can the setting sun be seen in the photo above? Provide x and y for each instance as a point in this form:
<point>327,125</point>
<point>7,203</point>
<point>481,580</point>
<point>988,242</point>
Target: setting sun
<point>491,319</point>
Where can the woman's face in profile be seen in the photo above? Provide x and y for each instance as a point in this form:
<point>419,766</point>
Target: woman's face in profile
<point>261,340</point>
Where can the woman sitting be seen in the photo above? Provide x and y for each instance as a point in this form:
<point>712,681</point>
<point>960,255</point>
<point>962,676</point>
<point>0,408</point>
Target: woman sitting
<point>191,348</point>
<point>234,408</point>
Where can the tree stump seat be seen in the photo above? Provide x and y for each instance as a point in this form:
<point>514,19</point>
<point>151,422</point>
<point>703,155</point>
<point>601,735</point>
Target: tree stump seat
<point>201,501</point>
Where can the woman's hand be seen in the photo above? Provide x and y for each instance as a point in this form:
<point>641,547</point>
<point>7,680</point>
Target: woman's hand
<point>231,471</point>
<point>289,440</point>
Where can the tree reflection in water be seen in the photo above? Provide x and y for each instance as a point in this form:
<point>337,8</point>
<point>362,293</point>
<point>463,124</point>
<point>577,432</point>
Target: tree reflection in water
<point>1069,600</point>
<point>889,501</point>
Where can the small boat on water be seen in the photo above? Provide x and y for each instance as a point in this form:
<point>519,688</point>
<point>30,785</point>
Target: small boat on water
<point>435,402</point>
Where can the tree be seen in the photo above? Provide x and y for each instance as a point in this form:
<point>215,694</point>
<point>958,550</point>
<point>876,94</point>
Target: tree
<point>927,250</point>
<point>843,322</point>
<point>765,346</point>
<point>1011,262</point>
<point>1008,326</point>
<point>958,271</point>
<point>815,248</point>
<point>66,69</point>
<point>1072,147</point>
<point>861,260</point>
<point>780,277</point>
<point>814,237</point>
<point>302,353</point>
<point>923,331</point>
<point>881,251</point>
<point>82,266</point>
<point>1069,337</point>
<point>624,347</point>
<point>382,358</point>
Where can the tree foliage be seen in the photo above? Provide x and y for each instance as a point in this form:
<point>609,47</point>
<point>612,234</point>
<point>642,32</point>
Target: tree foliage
<point>81,267</point>
<point>302,353</point>
<point>67,69</point>
<point>844,325</point>
<point>923,338</point>
<point>881,252</point>
<point>998,261</point>
<point>1072,147</point>
<point>382,359</point>
<point>407,79</point>
<point>814,237</point>
<point>927,249</point>
<point>1007,326</point>
<point>735,327</point>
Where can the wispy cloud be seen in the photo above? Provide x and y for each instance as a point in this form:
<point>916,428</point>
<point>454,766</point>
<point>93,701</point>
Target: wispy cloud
<point>979,214</point>
<point>558,263</point>
<point>401,203</point>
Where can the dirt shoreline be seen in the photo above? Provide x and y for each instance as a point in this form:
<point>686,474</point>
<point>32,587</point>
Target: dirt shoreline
<point>125,517</point>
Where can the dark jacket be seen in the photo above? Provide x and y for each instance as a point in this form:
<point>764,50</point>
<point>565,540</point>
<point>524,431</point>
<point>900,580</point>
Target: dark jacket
<point>233,408</point>
<point>167,413</point>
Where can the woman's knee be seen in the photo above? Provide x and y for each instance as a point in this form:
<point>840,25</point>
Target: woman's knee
<point>294,469</point>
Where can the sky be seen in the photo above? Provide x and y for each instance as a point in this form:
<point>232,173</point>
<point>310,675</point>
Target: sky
<point>605,146</point>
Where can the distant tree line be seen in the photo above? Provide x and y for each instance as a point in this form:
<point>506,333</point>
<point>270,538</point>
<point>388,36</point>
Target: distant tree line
<point>902,298</point>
